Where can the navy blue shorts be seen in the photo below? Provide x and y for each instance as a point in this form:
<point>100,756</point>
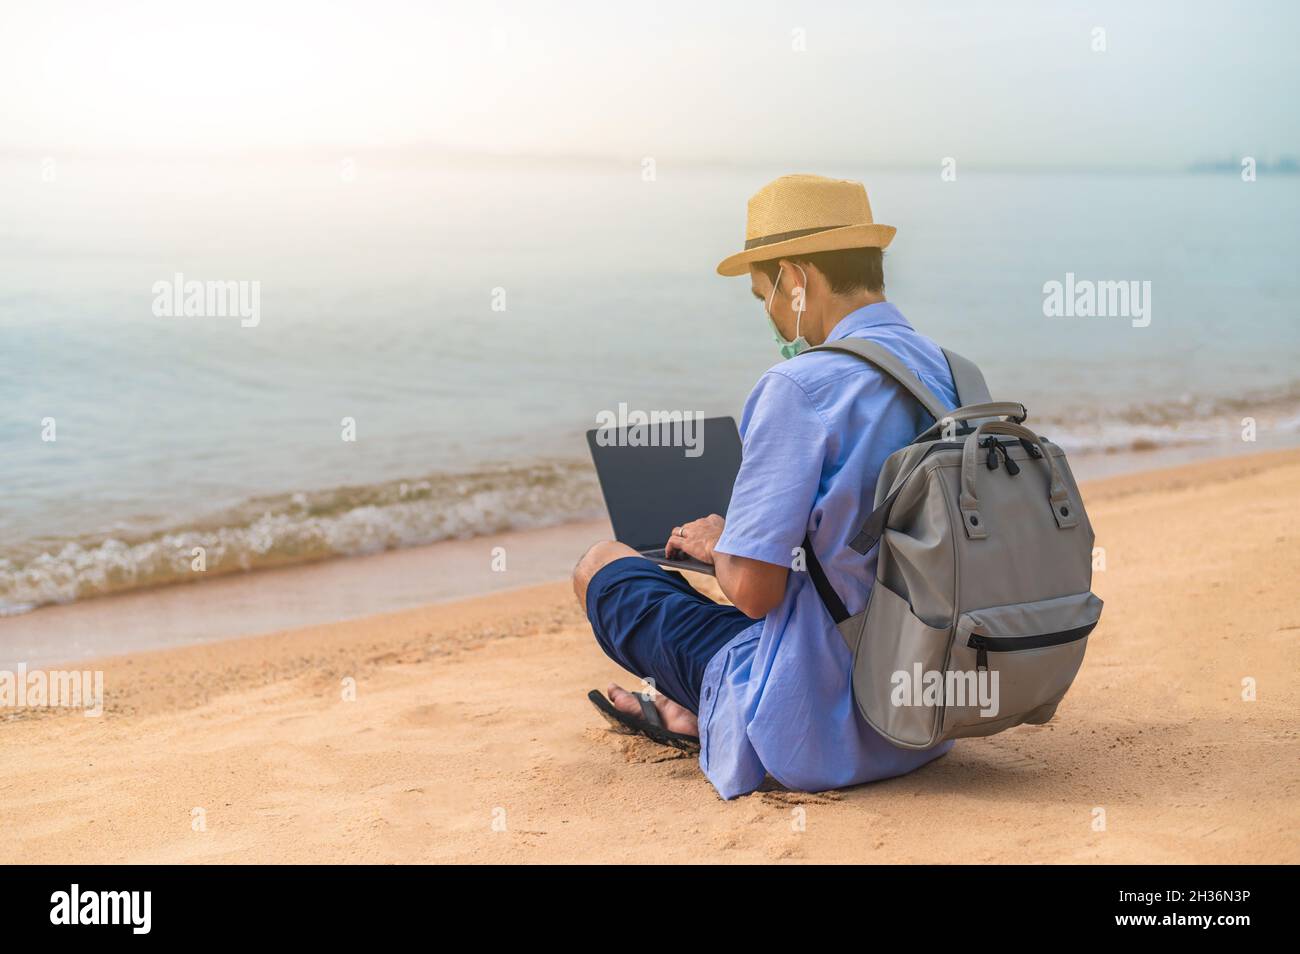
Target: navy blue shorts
<point>657,626</point>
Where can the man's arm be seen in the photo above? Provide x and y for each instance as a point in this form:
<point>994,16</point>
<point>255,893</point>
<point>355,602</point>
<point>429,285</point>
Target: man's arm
<point>754,587</point>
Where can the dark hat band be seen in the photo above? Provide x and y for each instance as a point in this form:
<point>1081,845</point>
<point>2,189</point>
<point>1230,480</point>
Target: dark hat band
<point>783,236</point>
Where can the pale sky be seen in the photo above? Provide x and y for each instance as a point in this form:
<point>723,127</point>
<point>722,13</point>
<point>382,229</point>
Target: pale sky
<point>1012,83</point>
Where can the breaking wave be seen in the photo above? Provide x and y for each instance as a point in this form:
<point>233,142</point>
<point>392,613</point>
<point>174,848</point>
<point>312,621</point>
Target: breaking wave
<point>302,527</point>
<point>315,525</point>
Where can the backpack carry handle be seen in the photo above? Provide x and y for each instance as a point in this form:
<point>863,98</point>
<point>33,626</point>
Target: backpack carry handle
<point>1063,511</point>
<point>973,412</point>
<point>1012,409</point>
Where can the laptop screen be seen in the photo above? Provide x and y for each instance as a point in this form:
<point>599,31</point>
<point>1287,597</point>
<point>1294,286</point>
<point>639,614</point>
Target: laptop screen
<point>651,489</point>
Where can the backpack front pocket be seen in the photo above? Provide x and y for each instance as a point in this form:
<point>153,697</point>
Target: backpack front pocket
<point>1012,664</point>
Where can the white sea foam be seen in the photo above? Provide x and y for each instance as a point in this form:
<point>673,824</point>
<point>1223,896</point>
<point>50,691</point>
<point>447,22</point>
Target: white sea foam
<point>302,527</point>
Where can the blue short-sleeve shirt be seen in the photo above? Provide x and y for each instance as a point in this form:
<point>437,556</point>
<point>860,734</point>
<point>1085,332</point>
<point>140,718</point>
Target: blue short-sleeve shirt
<point>777,698</point>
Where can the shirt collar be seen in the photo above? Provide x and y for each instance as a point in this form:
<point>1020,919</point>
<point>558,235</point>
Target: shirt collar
<point>880,313</point>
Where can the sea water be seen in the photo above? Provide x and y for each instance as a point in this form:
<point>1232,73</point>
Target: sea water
<point>433,340</point>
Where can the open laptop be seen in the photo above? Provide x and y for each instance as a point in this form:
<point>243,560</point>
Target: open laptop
<point>650,490</point>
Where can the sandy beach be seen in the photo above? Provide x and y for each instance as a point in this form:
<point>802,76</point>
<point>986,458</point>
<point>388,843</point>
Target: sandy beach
<point>470,740</point>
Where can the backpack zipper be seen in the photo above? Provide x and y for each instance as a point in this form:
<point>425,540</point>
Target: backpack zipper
<point>983,645</point>
<point>958,445</point>
<point>996,449</point>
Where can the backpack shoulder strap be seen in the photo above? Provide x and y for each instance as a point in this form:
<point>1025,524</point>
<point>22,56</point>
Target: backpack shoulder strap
<point>888,362</point>
<point>968,379</point>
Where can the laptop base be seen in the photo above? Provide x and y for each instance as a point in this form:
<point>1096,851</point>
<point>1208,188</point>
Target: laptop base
<point>657,555</point>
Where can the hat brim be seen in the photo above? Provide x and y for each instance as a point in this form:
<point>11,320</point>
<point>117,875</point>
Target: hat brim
<point>850,236</point>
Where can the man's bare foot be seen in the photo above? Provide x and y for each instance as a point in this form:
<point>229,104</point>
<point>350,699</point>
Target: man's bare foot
<point>676,718</point>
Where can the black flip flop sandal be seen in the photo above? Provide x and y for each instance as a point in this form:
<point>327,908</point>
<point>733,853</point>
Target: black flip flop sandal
<point>651,724</point>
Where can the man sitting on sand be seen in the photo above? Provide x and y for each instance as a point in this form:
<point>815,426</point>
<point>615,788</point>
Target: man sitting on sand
<point>763,686</point>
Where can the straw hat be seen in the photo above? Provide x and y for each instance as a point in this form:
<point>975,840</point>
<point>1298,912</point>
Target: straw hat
<point>798,215</point>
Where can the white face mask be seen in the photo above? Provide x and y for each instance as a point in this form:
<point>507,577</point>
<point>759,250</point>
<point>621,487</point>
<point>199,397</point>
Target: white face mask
<point>789,348</point>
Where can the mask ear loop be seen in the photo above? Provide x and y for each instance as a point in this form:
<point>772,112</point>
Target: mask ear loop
<point>803,302</point>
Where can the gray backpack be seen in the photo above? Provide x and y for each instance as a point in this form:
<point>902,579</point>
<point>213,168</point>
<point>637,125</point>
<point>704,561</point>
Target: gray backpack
<point>982,604</point>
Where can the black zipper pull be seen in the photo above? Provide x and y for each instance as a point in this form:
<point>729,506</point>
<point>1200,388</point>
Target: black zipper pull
<point>1012,467</point>
<point>1031,448</point>
<point>991,459</point>
<point>981,652</point>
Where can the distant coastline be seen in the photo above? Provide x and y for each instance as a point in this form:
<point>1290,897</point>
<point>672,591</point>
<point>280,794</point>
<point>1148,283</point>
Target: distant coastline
<point>440,155</point>
<point>1283,166</point>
